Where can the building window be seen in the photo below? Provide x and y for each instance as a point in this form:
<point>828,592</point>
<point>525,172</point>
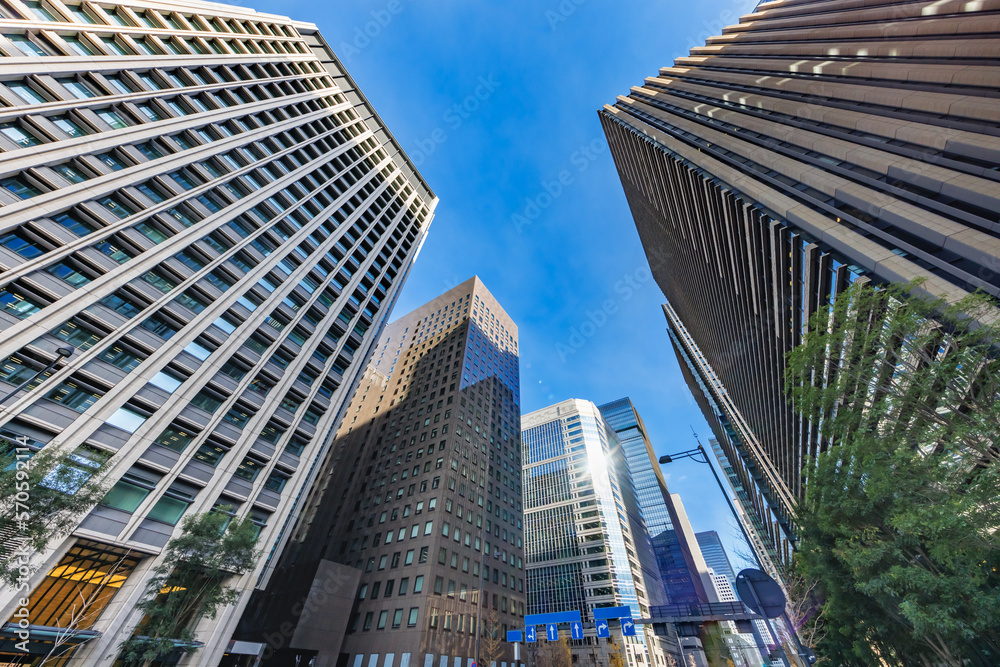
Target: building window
<point>249,469</point>
<point>276,482</point>
<point>127,420</point>
<point>175,439</point>
<point>88,571</point>
<point>73,396</point>
<point>170,507</point>
<point>127,493</point>
<point>383,616</point>
<point>412,619</point>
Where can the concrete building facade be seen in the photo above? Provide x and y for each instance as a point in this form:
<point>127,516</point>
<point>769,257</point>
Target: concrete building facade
<point>417,512</point>
<point>199,203</point>
<point>816,143</point>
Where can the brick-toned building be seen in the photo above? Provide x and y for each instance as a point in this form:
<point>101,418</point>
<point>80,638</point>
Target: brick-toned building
<point>417,506</point>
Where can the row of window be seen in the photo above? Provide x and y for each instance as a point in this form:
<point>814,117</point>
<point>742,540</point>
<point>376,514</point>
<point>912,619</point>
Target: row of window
<point>403,589</point>
<point>97,42</point>
<point>155,19</point>
<point>383,618</point>
<point>171,437</point>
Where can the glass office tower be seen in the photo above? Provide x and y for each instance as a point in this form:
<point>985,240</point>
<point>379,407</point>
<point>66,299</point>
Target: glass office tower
<point>674,561</point>
<point>198,202</point>
<point>715,555</point>
<point>412,544</point>
<point>582,549</point>
<point>814,144</point>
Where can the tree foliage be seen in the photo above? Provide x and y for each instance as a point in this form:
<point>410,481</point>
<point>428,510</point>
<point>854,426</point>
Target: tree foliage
<point>557,653</point>
<point>42,498</point>
<point>189,584</point>
<point>616,655</point>
<point>898,528</point>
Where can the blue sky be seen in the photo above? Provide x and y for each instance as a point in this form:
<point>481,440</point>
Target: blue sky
<point>497,103</point>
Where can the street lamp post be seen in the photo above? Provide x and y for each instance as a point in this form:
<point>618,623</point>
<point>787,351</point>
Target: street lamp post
<point>61,353</point>
<point>699,451</point>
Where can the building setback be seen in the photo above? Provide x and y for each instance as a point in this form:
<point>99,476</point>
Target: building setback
<point>200,204</point>
<point>673,559</point>
<point>813,144</point>
<point>419,500</point>
<point>584,548</point>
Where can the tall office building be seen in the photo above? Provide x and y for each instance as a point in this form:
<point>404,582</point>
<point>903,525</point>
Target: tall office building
<point>815,143</point>
<point>582,549</point>
<point>200,205</point>
<point>715,555</point>
<point>745,647</point>
<point>674,562</point>
<point>418,505</point>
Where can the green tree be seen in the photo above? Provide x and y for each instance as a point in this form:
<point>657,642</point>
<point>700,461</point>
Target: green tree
<point>189,584</point>
<point>42,498</point>
<point>898,527</point>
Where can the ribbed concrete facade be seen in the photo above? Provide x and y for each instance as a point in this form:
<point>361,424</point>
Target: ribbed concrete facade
<point>420,499</point>
<point>812,144</point>
<point>200,202</point>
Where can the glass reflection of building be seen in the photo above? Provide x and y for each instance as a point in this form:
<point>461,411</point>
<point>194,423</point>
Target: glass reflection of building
<point>580,544</point>
<point>673,555</point>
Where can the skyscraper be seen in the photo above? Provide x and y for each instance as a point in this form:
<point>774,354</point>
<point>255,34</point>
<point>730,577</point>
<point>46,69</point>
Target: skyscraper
<point>582,549</point>
<point>201,206</point>
<point>745,647</point>
<point>674,562</point>
<point>812,145</point>
<point>715,555</point>
<point>418,504</point>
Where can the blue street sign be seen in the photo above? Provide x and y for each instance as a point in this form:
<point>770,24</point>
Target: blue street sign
<point>576,629</point>
<point>628,627</point>
<point>514,636</point>
<point>530,632</point>
<point>602,628</point>
<point>552,632</point>
<point>612,612</point>
<point>560,617</point>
